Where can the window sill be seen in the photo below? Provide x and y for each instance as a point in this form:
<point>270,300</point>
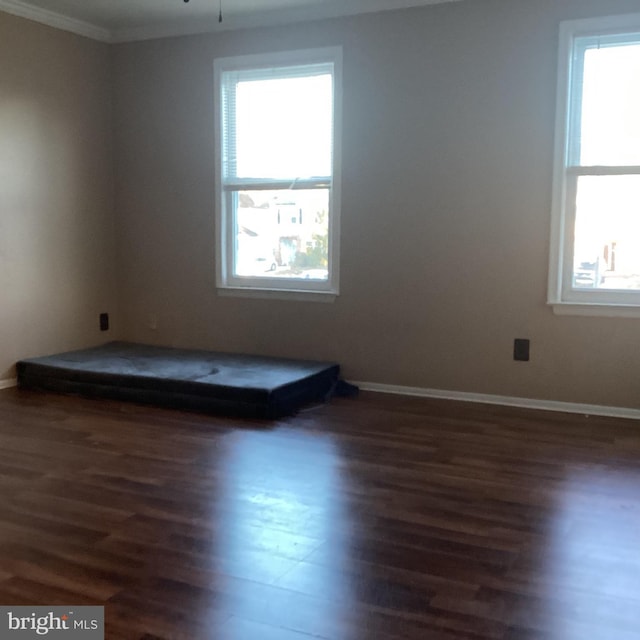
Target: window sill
<point>277,294</point>
<point>606,310</point>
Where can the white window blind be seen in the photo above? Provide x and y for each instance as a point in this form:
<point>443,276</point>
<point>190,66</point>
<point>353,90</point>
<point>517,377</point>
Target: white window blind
<point>278,126</point>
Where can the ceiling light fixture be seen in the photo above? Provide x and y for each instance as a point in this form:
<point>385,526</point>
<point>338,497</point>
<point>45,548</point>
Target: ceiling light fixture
<point>219,14</point>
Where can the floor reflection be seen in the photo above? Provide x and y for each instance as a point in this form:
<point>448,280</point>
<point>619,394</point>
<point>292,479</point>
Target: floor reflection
<point>282,497</point>
<point>592,563</point>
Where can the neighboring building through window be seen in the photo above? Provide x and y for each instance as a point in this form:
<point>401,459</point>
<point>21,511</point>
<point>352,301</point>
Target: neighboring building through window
<point>277,174</point>
<point>595,248</point>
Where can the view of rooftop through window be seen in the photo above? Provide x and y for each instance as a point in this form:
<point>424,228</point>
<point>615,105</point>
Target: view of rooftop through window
<point>282,234</point>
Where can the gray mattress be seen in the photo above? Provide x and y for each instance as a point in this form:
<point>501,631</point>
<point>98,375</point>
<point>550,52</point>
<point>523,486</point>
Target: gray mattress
<point>207,381</point>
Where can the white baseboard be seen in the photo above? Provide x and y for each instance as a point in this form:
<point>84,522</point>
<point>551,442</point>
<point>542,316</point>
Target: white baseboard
<point>507,401</point>
<point>11,382</point>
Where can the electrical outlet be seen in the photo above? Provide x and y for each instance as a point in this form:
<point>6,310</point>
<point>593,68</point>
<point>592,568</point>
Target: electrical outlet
<point>104,322</point>
<point>521,349</point>
<point>153,321</point>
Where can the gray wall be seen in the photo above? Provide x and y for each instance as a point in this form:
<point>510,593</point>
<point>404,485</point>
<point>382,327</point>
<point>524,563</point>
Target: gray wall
<point>57,241</point>
<point>448,141</point>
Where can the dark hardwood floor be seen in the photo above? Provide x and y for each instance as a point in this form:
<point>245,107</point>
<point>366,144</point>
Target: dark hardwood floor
<point>377,517</point>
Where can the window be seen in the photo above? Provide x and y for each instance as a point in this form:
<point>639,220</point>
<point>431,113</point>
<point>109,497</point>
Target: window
<point>277,175</point>
<point>595,243</point>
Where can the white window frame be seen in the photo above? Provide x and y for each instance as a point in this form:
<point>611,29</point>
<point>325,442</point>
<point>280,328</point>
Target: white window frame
<point>565,299</point>
<point>264,287</point>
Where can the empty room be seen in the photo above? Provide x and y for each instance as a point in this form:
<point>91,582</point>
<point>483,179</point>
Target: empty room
<point>319,319</point>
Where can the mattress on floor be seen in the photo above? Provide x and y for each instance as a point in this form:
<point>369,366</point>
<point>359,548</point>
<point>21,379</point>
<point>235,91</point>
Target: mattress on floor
<point>208,381</point>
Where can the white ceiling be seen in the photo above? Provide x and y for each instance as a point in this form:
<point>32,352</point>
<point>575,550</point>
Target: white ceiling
<point>123,20</point>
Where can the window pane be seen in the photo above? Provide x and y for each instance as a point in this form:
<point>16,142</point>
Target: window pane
<point>282,234</point>
<point>284,127</point>
<point>610,119</point>
<point>607,233</point>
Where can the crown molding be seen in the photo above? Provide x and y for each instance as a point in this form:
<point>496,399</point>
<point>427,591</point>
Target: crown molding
<point>56,20</point>
<point>332,9</point>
